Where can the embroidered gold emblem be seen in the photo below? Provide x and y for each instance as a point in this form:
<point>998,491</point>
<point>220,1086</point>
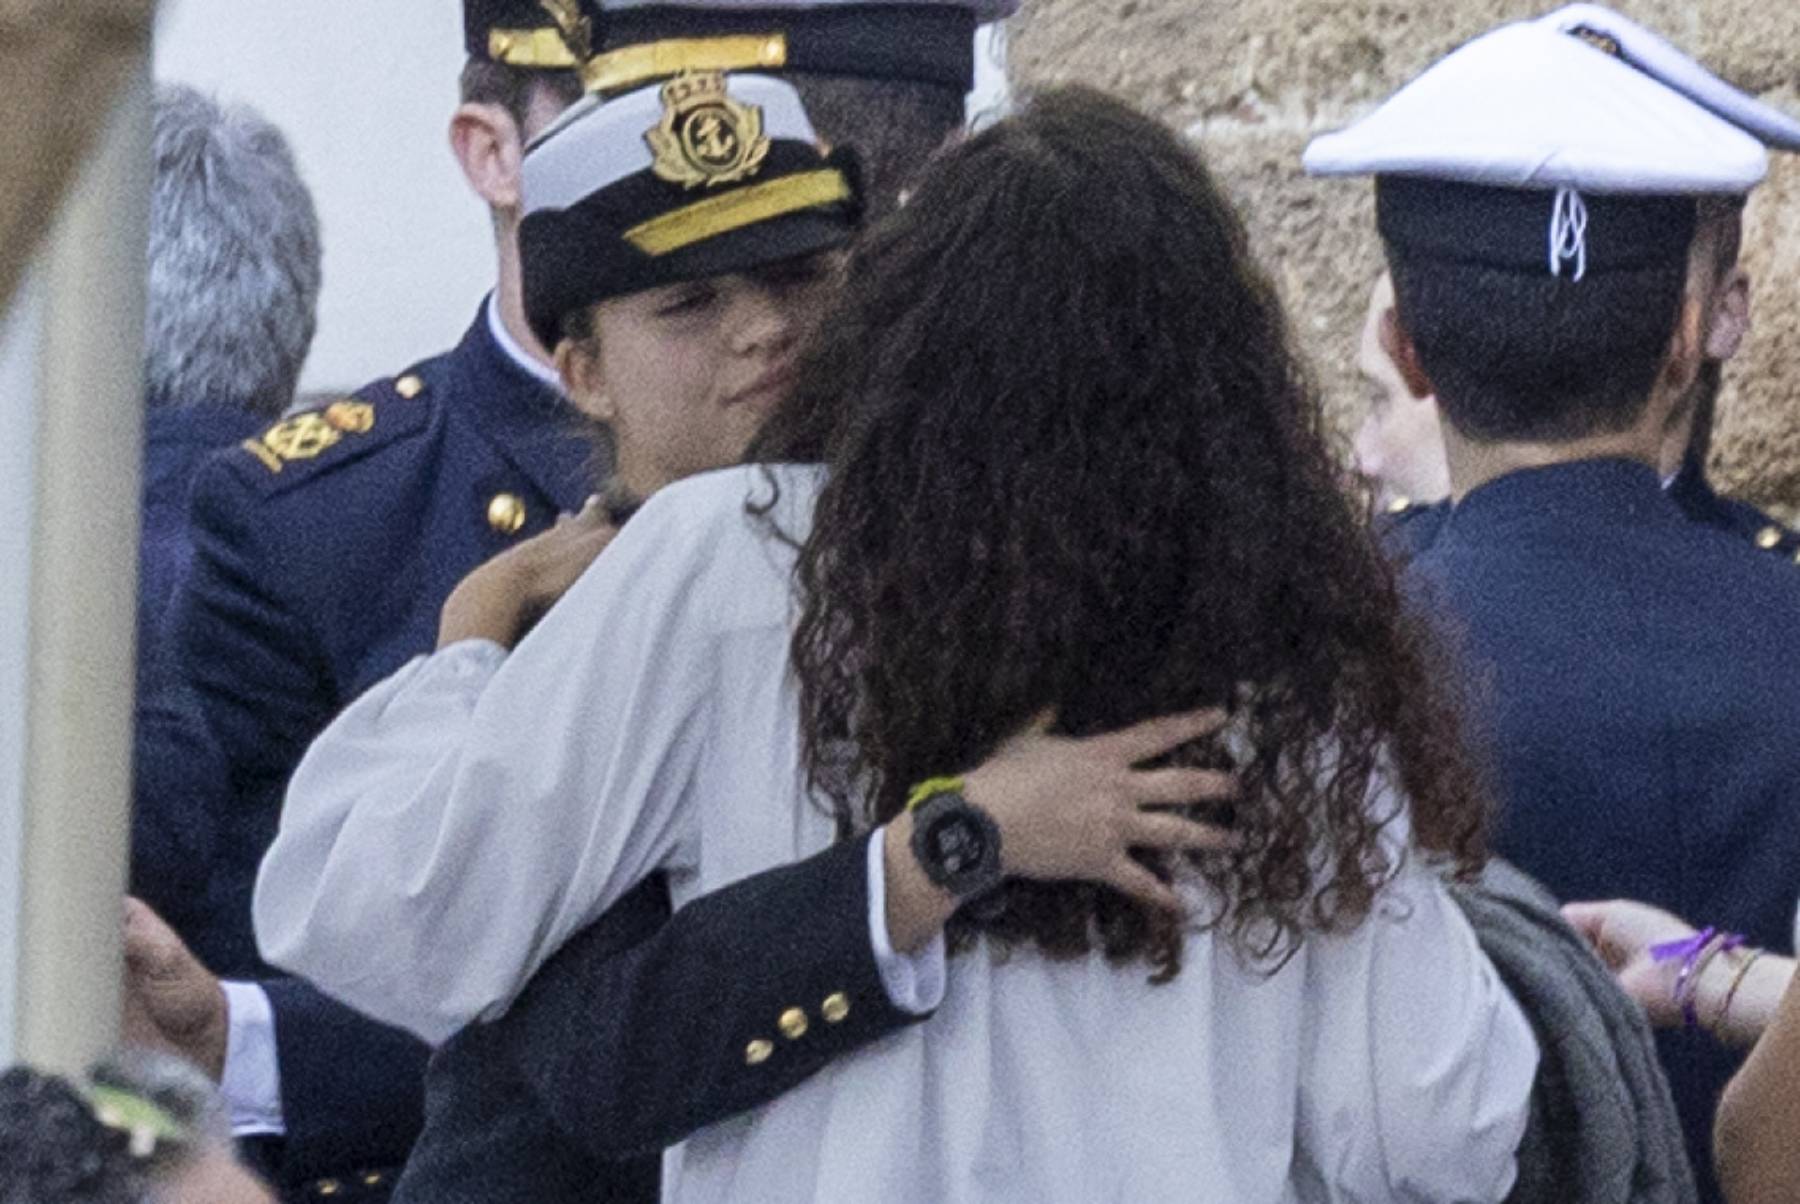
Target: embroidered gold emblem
<point>705,137</point>
<point>307,435</point>
<point>577,31</point>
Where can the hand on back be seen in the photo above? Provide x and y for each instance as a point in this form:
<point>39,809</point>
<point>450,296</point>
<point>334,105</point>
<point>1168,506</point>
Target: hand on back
<point>1076,807</point>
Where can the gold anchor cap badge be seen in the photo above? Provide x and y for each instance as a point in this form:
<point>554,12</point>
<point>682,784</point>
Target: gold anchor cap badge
<point>705,137</point>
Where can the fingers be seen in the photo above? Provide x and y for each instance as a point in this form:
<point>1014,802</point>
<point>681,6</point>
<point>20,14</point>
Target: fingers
<point>1138,882</point>
<point>153,950</point>
<point>1182,786</point>
<point>1587,919</point>
<point>1154,737</point>
<point>1146,830</point>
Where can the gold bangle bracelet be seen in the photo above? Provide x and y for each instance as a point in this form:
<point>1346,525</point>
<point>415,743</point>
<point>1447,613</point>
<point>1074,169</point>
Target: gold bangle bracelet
<point>1737,981</point>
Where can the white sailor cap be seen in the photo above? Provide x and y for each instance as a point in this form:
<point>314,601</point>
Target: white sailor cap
<point>706,175</point>
<point>932,41</point>
<point>1577,141</point>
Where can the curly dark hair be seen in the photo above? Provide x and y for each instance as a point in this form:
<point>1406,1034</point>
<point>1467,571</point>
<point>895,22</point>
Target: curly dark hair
<point>1076,466</point>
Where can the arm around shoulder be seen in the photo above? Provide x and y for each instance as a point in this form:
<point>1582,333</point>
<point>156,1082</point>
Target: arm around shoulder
<point>456,824</point>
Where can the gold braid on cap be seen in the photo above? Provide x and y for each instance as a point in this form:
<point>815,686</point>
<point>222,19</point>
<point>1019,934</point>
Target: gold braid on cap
<point>577,31</point>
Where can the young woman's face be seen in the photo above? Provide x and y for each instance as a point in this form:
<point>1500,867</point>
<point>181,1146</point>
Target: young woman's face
<point>686,373</point>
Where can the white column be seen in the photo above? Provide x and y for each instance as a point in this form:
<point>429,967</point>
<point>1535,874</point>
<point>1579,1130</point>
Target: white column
<point>71,371</point>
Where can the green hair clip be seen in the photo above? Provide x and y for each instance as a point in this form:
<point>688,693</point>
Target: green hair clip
<point>145,1122</point>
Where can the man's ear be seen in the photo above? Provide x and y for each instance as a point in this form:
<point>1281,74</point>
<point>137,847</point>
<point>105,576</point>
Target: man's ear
<point>1397,345</point>
<point>1687,347</point>
<point>1730,316</point>
<point>485,140</point>
<point>579,367</point>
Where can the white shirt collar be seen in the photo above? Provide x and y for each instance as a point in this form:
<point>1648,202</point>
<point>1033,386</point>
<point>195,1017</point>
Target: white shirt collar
<point>518,355</point>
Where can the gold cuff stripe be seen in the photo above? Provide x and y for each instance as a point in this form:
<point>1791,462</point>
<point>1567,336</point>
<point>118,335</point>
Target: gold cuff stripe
<point>635,65</point>
<point>734,210</point>
<point>541,48</point>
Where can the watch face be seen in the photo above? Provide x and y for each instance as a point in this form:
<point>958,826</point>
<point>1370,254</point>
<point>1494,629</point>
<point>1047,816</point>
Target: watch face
<point>957,844</point>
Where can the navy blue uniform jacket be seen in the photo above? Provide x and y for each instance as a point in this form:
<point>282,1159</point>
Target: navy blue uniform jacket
<point>1633,687</point>
<point>172,845</point>
<point>324,548</point>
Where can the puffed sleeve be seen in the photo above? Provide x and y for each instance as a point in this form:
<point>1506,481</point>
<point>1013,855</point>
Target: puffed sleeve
<point>1420,1065</point>
<point>459,821</point>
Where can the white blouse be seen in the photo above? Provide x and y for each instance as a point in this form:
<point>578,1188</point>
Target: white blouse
<point>461,820</point>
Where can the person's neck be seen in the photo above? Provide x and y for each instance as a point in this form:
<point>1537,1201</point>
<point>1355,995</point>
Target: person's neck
<point>1474,463</point>
<point>633,480</point>
<point>509,296</point>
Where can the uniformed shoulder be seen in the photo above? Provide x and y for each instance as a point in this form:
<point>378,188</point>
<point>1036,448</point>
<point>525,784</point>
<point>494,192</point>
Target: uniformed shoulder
<point>1763,532</point>
<point>314,443</point>
<point>1407,528</point>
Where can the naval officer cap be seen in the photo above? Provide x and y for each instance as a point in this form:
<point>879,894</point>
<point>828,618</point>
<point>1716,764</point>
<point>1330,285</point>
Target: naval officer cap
<point>929,41</point>
<point>1578,142</point>
<point>703,175</point>
<point>540,35</point>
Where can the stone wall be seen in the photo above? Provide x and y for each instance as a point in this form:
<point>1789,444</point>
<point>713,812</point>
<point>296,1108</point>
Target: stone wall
<point>1253,80</point>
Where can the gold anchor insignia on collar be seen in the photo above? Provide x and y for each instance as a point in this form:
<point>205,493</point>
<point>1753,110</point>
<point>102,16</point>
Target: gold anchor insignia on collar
<point>705,137</point>
<point>577,31</point>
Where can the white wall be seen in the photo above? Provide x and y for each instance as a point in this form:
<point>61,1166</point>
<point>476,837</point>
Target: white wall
<point>364,90</point>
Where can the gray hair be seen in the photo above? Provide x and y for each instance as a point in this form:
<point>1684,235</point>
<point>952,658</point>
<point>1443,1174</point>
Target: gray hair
<point>234,265</point>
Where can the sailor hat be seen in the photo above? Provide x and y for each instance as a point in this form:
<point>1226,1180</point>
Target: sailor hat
<point>1576,142</point>
<point>703,175</point>
<point>932,41</point>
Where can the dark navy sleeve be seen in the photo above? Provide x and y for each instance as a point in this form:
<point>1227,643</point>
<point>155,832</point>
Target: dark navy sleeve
<point>634,1036</point>
<point>258,672</point>
<point>174,838</point>
<point>351,1089</point>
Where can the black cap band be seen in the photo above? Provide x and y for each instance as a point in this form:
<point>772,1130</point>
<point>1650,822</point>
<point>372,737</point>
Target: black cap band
<point>576,257</point>
<point>1510,228</point>
<point>929,43</point>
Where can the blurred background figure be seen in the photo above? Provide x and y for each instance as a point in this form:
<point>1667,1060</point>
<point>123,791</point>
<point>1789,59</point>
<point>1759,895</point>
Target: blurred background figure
<point>234,276</point>
<point>146,1129</point>
<point>1400,444</point>
<point>233,288</point>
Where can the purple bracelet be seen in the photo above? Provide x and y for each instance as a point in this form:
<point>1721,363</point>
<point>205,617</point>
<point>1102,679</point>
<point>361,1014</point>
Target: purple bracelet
<point>1694,952</point>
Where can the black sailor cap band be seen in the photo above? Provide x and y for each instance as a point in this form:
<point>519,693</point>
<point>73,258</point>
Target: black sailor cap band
<point>928,43</point>
<point>642,232</point>
<point>1444,221</point>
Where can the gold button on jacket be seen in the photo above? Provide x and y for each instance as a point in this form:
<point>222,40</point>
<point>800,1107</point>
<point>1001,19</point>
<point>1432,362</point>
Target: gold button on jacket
<point>835,1008</point>
<point>506,513</point>
<point>758,1051</point>
<point>793,1024</point>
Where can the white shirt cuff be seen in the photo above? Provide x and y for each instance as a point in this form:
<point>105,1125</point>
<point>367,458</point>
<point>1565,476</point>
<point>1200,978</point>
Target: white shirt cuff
<point>251,1085</point>
<point>914,982</point>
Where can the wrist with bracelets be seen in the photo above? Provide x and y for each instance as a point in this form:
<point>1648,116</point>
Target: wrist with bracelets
<point>1696,953</point>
